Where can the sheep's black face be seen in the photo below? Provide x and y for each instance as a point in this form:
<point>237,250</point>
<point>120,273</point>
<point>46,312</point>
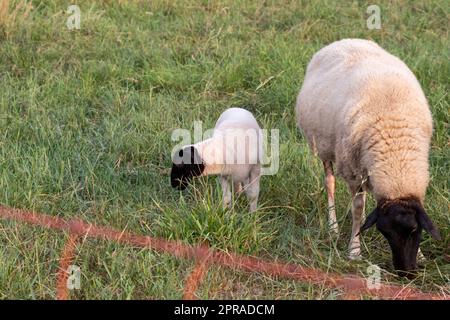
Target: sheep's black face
<point>400,227</point>
<point>401,222</point>
<point>186,164</point>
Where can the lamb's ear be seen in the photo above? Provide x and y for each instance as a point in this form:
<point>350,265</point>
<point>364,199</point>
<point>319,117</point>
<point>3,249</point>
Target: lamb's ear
<point>370,220</point>
<point>427,224</point>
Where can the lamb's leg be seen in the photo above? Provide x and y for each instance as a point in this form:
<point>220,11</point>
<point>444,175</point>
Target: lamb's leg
<point>237,187</point>
<point>358,204</point>
<point>226,192</point>
<point>330,186</point>
<point>252,188</point>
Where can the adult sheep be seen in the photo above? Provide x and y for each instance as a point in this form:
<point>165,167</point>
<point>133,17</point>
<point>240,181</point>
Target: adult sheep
<point>363,111</point>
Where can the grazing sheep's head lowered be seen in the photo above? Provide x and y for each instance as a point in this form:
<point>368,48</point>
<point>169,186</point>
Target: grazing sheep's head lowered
<point>401,222</point>
<point>186,164</point>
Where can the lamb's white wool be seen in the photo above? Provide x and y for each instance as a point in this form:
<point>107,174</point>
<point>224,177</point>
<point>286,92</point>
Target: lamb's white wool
<point>233,152</point>
<point>364,111</point>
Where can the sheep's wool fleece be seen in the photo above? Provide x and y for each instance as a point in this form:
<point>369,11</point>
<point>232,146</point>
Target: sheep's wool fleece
<point>363,109</point>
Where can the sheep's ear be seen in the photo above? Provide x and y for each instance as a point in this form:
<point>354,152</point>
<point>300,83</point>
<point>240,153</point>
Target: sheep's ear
<point>427,224</point>
<point>370,220</point>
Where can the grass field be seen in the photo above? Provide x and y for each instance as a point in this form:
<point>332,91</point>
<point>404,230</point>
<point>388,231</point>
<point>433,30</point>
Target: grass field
<point>86,118</point>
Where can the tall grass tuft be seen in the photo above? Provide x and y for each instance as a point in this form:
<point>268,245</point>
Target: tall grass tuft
<point>13,14</point>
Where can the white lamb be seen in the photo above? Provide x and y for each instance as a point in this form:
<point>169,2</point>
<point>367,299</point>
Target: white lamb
<point>233,153</point>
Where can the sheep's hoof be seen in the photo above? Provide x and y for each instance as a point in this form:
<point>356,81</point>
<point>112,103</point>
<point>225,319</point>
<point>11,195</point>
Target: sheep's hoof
<point>355,255</point>
<point>226,205</point>
<point>334,229</point>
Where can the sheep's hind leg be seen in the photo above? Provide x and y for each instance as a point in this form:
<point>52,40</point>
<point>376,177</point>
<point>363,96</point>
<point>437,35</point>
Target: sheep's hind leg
<point>252,188</point>
<point>237,187</point>
<point>358,204</point>
<point>226,192</point>
<point>330,187</point>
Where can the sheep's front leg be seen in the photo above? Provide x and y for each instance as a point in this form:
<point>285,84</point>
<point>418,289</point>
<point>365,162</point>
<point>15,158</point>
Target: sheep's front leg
<point>358,204</point>
<point>420,256</point>
<point>252,188</point>
<point>226,192</point>
<point>330,182</point>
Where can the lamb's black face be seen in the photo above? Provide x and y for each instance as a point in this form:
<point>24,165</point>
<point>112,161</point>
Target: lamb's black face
<point>401,223</point>
<point>186,164</point>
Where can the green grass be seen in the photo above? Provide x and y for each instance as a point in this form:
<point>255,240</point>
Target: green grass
<point>86,118</point>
